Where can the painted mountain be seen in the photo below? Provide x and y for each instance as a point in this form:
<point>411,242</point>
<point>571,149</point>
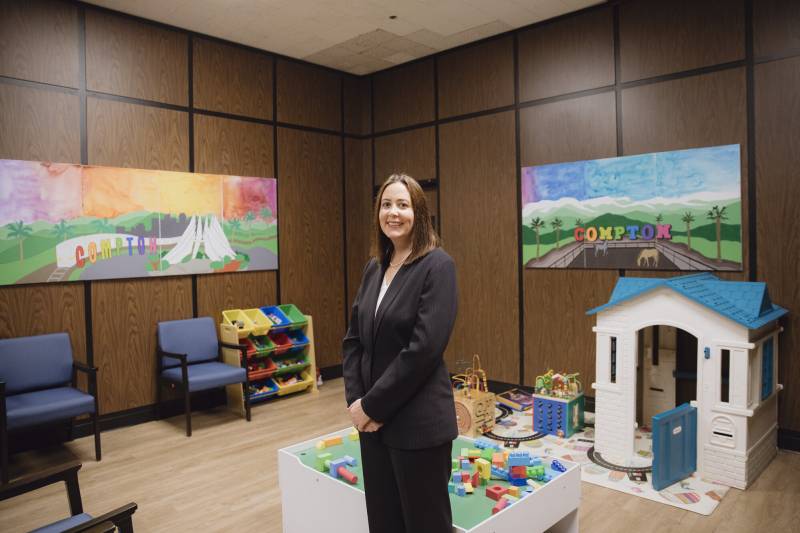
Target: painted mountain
<point>678,210</point>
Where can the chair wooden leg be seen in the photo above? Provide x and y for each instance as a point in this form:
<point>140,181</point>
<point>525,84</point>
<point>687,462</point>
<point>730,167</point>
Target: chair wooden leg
<point>188,412</point>
<point>246,402</point>
<point>97,450</point>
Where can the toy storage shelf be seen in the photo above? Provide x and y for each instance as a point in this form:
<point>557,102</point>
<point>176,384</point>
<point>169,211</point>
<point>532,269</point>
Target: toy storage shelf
<point>280,351</point>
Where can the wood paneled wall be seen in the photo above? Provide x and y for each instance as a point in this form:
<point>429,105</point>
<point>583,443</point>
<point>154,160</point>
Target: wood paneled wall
<point>141,107</point>
<point>676,77</point>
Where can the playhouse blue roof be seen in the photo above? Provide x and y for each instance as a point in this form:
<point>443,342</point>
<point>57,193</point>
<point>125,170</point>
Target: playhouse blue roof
<point>744,302</point>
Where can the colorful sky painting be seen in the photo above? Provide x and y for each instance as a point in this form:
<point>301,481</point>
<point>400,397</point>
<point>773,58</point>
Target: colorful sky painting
<point>243,195</point>
<point>638,177</point>
<point>33,191</point>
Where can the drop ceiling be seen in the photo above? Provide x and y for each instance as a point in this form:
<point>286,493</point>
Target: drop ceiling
<point>356,36</point>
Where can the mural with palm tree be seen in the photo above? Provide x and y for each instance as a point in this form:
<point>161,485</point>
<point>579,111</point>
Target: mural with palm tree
<point>19,230</point>
<point>536,225</point>
<point>63,230</point>
<point>235,224</point>
<point>659,218</point>
<point>266,214</point>
<point>249,218</point>
<point>687,219</point>
<point>556,223</point>
<point>579,222</point>
<point>102,225</point>
<point>717,215</point>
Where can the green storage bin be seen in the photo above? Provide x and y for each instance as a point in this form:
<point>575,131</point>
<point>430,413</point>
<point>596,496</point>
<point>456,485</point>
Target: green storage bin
<point>294,314</point>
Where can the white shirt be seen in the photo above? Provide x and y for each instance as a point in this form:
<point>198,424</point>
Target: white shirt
<point>384,287</point>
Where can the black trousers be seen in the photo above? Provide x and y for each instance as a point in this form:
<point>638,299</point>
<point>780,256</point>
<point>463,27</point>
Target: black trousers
<point>406,490</point>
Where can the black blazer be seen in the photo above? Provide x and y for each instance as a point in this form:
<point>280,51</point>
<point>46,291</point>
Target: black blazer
<point>394,360</point>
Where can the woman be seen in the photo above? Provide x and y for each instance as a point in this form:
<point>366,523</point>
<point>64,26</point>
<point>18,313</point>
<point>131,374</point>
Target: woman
<point>396,382</point>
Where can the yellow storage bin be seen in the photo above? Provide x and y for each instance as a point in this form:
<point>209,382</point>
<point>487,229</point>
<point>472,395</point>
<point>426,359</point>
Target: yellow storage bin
<point>261,323</point>
<point>306,380</point>
<point>235,317</point>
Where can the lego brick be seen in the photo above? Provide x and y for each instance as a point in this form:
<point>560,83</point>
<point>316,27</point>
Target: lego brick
<point>495,492</point>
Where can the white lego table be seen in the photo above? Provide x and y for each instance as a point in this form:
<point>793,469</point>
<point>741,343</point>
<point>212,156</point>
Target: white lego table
<point>316,502</point>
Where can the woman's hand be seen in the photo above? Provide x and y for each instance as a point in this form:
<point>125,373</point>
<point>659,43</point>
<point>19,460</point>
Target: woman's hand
<point>361,421</point>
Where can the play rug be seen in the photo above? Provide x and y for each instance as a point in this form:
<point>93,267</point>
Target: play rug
<point>692,494</point>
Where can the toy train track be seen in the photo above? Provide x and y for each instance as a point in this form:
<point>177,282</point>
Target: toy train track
<point>597,459</point>
<point>504,412</point>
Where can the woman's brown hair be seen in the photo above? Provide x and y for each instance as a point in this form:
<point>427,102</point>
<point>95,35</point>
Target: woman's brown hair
<point>423,236</point>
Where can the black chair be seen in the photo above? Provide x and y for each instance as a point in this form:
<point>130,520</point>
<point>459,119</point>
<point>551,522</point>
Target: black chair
<point>120,519</point>
<point>38,385</point>
<point>189,356</point>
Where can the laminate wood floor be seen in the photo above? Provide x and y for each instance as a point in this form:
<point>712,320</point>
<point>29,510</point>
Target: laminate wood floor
<point>224,478</point>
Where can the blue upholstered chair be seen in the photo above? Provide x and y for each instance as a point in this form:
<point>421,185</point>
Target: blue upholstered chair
<point>38,386</point>
<point>189,356</point>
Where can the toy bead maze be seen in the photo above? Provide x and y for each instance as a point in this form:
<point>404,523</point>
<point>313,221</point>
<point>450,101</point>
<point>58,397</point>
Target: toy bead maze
<point>473,401</point>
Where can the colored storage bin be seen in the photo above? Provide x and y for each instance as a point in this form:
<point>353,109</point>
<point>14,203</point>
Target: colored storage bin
<point>238,319</point>
<point>281,341</point>
<point>261,324</point>
<point>280,322</point>
<point>261,368</point>
<point>291,366</point>
<point>297,318</point>
<point>304,381</point>
<point>263,390</point>
<point>299,340</point>
<point>263,345</point>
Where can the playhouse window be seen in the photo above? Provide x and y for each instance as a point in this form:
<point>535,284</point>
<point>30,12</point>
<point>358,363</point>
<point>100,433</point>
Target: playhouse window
<point>613,358</point>
<point>767,385</point>
<point>724,378</point>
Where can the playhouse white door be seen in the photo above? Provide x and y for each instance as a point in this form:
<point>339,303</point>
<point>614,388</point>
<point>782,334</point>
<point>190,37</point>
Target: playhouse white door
<point>658,387</point>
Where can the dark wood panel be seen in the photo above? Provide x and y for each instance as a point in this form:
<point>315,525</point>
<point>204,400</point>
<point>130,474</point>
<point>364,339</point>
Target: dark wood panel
<point>130,135</point>
<point>573,54</point>
<point>309,96</point>
<point>478,188</point>
<point>404,96</point>
<point>706,110</point>
<point>239,290</point>
<point>136,59</point>
<point>570,130</point>
<point>358,197</point>
<point>662,36</point>
<point>776,27</point>
<point>476,78</point>
<point>357,105</point>
<point>412,152</point>
<point>234,147</point>
<point>558,333</point>
<point>778,227</point>
<point>125,315</point>
<point>310,239</point>
<point>432,197</point>
<point>45,308</point>
<point>39,125</point>
<point>231,80</point>
<point>39,41</point>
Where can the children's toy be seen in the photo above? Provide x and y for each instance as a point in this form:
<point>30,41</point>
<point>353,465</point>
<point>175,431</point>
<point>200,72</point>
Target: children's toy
<point>735,406</point>
<point>517,399</point>
<point>474,402</point>
<point>558,404</point>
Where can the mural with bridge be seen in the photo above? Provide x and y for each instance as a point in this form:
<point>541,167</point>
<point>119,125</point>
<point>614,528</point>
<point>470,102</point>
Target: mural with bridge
<point>678,210</point>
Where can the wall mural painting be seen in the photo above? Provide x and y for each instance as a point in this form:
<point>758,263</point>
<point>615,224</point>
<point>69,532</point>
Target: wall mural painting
<point>65,222</point>
<point>677,210</point>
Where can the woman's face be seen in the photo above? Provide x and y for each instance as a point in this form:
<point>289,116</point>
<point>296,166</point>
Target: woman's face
<point>397,214</point>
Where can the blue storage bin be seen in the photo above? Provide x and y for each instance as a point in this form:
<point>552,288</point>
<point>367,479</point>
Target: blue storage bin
<point>299,340</point>
<point>280,322</point>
